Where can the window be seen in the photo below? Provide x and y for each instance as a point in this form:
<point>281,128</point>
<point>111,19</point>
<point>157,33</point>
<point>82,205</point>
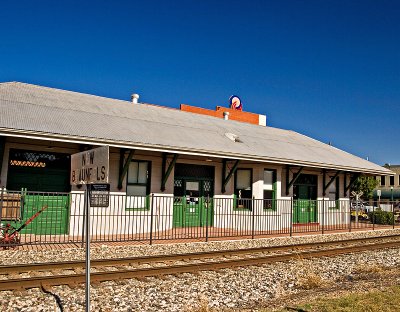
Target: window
<point>243,188</point>
<point>333,194</point>
<point>383,181</point>
<point>332,191</point>
<point>269,188</point>
<point>138,184</point>
<point>391,180</point>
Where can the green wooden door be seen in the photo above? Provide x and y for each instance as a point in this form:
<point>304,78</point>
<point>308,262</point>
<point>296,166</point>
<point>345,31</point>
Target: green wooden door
<point>54,220</point>
<point>193,209</point>
<point>305,208</point>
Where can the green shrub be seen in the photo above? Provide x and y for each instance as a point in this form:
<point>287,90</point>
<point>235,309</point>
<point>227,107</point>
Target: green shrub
<point>381,217</point>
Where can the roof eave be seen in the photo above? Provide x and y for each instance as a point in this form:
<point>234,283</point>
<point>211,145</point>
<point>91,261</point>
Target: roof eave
<point>159,148</point>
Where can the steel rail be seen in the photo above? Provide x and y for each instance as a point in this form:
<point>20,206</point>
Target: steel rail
<point>20,268</point>
<point>25,283</point>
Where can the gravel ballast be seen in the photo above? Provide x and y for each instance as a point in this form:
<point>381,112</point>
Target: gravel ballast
<point>241,288</point>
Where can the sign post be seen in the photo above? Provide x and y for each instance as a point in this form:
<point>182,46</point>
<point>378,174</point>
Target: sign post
<point>379,193</point>
<point>87,251</point>
<point>359,203</point>
<point>91,167</point>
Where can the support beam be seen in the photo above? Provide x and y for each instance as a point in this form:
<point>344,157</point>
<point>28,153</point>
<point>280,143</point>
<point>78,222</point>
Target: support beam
<point>223,175</point>
<point>352,181</point>
<point>121,165</point>
<point>163,168</point>
<point>287,178</point>
<point>296,176</point>
<point>226,179</point>
<point>344,185</point>
<point>123,168</point>
<point>2,149</point>
<point>165,175</point>
<point>330,181</point>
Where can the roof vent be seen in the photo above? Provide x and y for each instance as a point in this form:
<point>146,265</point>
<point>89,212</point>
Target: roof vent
<point>134,98</point>
<point>233,137</point>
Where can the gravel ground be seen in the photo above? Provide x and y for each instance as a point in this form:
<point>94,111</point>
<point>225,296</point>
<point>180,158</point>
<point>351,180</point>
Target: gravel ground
<point>242,288</point>
<point>106,251</point>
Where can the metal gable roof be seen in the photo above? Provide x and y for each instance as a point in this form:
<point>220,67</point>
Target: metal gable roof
<point>40,111</point>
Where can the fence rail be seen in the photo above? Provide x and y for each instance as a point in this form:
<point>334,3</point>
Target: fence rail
<point>32,218</point>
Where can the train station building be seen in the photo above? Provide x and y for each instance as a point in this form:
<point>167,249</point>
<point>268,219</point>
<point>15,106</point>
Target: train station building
<point>214,167</point>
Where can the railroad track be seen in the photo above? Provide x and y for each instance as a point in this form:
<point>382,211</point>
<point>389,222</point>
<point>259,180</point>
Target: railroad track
<point>193,262</point>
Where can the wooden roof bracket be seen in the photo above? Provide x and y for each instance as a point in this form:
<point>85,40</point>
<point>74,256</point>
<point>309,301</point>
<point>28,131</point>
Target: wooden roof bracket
<point>84,147</point>
<point>225,179</point>
<point>123,167</point>
<point>330,181</point>
<point>165,174</point>
<point>352,181</point>
<point>296,176</point>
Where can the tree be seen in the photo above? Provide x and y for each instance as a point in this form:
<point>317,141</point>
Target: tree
<point>365,185</point>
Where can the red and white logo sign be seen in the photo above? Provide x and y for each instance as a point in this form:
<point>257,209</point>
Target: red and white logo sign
<point>235,102</point>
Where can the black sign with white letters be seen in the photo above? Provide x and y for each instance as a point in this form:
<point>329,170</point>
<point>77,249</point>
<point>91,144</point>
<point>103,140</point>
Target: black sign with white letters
<point>99,195</point>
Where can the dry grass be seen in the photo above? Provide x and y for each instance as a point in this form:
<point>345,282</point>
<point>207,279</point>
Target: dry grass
<point>327,298</point>
<point>374,288</point>
<point>308,277</point>
<point>368,269</point>
<point>374,301</point>
<point>310,280</point>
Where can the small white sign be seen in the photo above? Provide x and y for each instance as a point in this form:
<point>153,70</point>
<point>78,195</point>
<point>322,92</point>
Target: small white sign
<point>90,166</point>
<point>379,193</point>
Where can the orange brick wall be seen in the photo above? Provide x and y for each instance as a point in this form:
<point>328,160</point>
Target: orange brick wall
<point>201,111</point>
<point>219,112</point>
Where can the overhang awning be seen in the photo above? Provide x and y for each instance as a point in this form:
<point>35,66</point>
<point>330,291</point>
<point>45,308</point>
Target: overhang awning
<point>387,194</point>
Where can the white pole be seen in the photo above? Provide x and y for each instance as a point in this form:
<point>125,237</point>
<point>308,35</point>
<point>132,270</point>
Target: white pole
<point>87,286</point>
<point>357,207</point>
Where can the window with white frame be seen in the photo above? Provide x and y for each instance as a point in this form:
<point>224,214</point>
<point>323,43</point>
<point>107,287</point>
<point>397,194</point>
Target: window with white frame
<point>333,193</point>
<point>269,189</point>
<point>243,188</point>
<point>138,184</point>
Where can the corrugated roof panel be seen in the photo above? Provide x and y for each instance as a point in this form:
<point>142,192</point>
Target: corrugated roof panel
<point>52,111</point>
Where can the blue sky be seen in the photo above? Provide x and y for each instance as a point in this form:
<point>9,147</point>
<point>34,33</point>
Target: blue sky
<point>327,69</point>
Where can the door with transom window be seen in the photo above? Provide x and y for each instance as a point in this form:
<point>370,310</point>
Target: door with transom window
<point>193,192</point>
<point>305,199</point>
